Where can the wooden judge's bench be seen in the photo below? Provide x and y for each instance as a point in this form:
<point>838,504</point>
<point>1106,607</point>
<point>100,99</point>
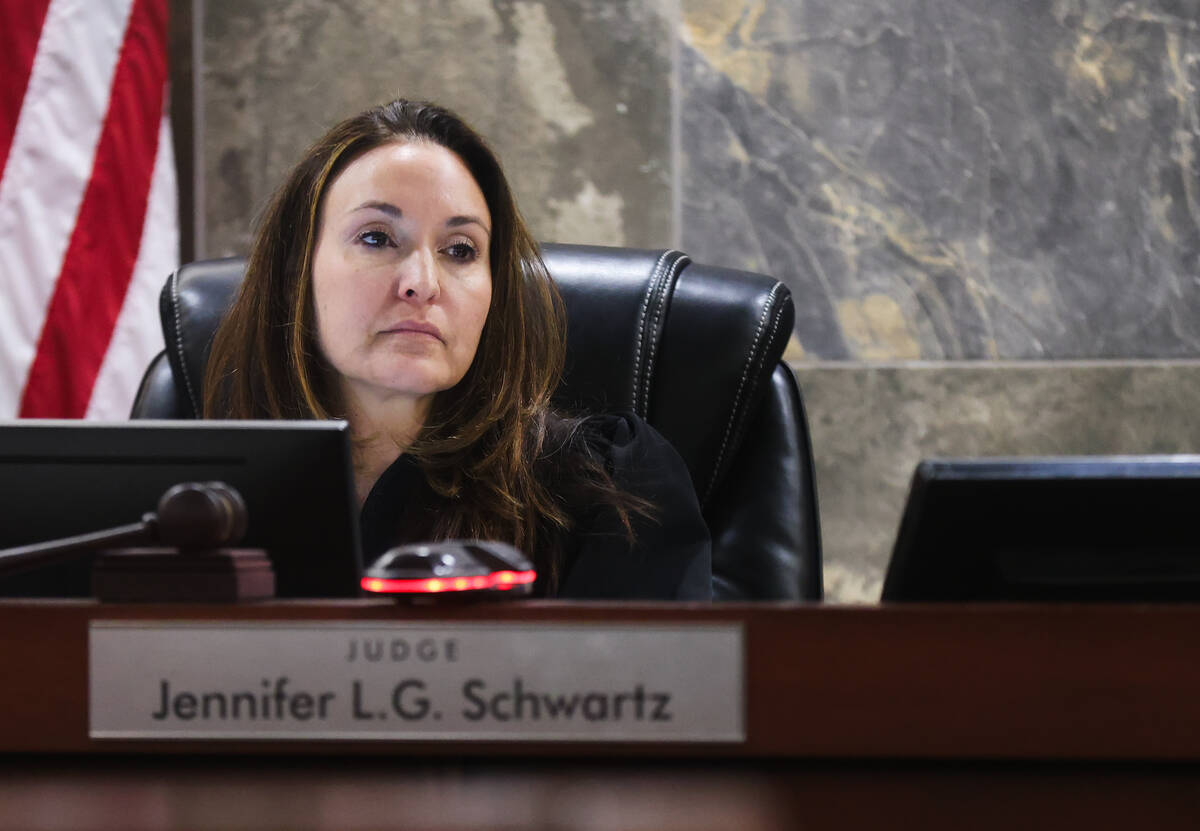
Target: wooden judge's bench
<point>894,716</point>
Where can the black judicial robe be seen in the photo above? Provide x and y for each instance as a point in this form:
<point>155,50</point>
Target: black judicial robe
<point>670,558</point>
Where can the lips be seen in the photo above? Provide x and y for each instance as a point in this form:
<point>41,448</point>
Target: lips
<point>415,327</point>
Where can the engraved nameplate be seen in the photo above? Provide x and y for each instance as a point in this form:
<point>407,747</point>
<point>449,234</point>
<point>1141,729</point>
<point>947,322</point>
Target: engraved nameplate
<point>495,681</point>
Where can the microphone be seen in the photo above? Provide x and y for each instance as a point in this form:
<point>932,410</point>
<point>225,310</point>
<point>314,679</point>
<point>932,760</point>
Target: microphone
<point>192,516</point>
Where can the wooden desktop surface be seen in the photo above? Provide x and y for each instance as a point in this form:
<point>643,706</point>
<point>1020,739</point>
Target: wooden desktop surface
<point>921,717</point>
<point>100,794</point>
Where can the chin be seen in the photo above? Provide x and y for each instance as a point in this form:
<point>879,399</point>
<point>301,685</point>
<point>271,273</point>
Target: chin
<point>410,385</point>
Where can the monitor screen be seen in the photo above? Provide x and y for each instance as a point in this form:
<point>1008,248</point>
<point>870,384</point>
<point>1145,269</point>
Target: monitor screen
<point>1102,528</point>
<point>61,478</point>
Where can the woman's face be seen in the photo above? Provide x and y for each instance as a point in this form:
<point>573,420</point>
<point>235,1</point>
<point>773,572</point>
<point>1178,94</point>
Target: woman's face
<point>401,275</point>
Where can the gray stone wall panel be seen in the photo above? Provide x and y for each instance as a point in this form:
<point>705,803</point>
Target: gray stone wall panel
<point>574,95</point>
<point>871,425</point>
<point>953,179</point>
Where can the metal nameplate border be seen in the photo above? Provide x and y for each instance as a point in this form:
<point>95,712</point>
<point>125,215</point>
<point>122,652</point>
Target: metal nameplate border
<point>435,628</point>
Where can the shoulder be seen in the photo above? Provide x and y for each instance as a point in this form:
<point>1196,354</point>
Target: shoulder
<point>638,457</point>
<point>670,557</point>
<point>619,431</point>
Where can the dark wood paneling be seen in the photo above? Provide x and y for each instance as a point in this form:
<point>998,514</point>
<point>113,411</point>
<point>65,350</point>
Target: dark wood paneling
<point>931,682</point>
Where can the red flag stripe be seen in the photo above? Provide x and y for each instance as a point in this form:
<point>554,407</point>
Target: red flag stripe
<point>21,27</point>
<point>136,336</point>
<point>104,246</point>
<point>48,170</point>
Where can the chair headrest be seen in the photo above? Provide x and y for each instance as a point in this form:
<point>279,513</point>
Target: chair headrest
<point>690,348</point>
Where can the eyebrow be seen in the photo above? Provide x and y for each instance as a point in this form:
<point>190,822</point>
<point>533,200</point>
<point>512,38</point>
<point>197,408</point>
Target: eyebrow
<point>457,221</point>
<point>385,207</point>
<point>394,212</point>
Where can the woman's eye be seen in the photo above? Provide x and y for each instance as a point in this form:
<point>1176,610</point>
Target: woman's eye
<point>375,239</point>
<point>464,251</point>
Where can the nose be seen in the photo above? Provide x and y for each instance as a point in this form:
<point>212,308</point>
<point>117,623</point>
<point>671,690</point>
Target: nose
<point>418,280</point>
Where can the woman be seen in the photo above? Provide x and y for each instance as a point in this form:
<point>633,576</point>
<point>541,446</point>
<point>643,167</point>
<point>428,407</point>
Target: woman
<point>393,283</point>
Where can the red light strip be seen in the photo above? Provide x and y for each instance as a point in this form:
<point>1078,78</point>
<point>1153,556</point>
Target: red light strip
<point>502,580</point>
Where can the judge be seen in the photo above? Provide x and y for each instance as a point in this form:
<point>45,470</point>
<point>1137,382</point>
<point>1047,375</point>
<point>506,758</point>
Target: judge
<point>393,283</point>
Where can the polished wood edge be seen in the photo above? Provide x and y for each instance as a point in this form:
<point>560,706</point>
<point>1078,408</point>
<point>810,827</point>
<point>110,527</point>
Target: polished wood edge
<point>987,681</point>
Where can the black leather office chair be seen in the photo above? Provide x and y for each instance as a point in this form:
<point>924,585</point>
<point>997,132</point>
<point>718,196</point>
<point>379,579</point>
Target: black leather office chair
<point>693,349</point>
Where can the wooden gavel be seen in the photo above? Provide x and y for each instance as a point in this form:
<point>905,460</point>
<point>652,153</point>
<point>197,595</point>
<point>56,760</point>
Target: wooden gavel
<point>191,516</point>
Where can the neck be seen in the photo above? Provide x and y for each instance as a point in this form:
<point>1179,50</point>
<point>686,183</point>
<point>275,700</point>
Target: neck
<point>382,429</point>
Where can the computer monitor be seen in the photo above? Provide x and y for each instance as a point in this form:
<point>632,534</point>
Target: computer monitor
<point>1102,528</point>
<point>61,478</point>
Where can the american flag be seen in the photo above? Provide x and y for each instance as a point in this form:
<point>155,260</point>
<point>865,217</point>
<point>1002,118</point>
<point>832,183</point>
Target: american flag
<point>88,224</point>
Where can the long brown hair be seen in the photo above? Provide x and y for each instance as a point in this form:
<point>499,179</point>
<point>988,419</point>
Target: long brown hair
<point>486,438</point>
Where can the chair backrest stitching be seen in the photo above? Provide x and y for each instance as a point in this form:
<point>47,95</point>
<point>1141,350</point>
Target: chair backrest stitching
<point>756,374</point>
<point>751,358</point>
<point>641,332</point>
<point>187,381</point>
<point>650,333</point>
<point>673,272</point>
<point>652,341</point>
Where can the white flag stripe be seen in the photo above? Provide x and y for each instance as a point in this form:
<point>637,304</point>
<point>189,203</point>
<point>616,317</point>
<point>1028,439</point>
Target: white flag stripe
<point>48,169</point>
<point>137,337</point>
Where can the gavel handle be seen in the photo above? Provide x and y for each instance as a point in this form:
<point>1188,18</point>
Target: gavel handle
<point>35,555</point>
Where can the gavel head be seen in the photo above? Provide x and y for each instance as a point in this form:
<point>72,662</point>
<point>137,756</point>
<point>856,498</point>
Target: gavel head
<point>201,515</point>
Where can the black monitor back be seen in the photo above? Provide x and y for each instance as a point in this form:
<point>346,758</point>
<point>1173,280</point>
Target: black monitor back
<point>1116,528</point>
<point>61,478</point>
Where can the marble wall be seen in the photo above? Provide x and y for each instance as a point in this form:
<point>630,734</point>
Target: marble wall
<point>988,213</point>
<point>871,424</point>
<point>957,178</point>
<point>574,94</point>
